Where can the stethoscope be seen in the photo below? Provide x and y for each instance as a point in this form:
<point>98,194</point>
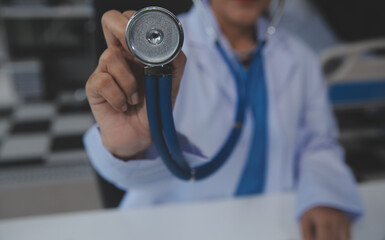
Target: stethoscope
<point>155,37</point>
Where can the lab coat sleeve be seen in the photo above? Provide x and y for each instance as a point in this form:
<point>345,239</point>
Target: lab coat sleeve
<point>323,177</point>
<point>135,173</point>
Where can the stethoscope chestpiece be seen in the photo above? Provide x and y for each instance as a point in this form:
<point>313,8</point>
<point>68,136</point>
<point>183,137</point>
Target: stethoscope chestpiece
<point>154,36</point>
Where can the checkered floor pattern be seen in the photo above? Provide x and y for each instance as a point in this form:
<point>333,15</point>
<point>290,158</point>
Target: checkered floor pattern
<point>44,136</point>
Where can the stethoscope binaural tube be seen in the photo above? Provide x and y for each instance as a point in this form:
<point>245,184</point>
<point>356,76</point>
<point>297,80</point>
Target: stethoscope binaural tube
<point>146,32</point>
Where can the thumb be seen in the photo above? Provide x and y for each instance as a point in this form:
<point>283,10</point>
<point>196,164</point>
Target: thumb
<point>307,228</point>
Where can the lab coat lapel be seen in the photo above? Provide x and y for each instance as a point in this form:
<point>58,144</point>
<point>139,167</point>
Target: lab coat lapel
<point>281,170</point>
<point>203,45</point>
<point>281,77</point>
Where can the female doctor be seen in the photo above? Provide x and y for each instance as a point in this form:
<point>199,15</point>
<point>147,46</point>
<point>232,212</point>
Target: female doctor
<point>300,146</point>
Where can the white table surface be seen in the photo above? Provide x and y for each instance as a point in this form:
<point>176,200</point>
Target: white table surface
<point>266,217</point>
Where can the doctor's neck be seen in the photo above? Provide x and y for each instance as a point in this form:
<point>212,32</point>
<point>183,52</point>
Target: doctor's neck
<point>242,37</point>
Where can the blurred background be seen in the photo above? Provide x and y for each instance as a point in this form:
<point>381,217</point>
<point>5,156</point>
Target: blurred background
<point>48,49</point>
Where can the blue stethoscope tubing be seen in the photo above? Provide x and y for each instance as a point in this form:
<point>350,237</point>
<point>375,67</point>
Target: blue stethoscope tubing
<point>158,91</point>
<point>161,122</point>
<point>154,119</point>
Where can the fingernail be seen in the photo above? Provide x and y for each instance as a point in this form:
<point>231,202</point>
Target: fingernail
<point>124,108</point>
<point>135,98</point>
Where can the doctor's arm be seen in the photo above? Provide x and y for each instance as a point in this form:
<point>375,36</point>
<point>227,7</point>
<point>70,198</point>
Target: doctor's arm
<point>115,93</point>
<point>327,193</point>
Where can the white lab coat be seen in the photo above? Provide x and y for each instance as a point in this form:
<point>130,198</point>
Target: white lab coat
<point>302,150</point>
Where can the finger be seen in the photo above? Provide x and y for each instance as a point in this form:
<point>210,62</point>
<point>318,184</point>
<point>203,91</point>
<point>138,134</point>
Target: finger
<point>178,68</point>
<point>113,62</point>
<point>307,229</point>
<point>324,231</point>
<point>102,88</point>
<point>128,14</point>
<point>342,234</point>
<point>114,26</point>
<point>345,232</point>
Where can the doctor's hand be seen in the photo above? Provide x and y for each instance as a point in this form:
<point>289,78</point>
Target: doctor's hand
<point>115,91</point>
<point>324,223</point>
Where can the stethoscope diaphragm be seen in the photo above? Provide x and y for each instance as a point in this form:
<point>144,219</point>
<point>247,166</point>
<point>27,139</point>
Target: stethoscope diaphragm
<point>154,36</point>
